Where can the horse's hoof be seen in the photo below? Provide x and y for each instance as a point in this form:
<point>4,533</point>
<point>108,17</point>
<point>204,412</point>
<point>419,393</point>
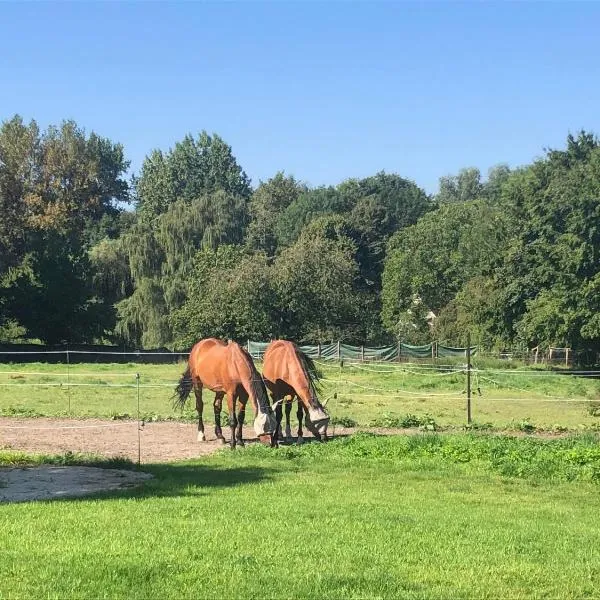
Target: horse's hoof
<point>222,440</point>
<point>201,436</point>
<point>241,443</point>
<point>300,440</point>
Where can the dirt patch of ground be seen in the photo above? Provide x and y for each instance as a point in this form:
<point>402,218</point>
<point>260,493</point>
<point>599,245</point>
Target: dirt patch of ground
<point>22,484</point>
<point>159,442</point>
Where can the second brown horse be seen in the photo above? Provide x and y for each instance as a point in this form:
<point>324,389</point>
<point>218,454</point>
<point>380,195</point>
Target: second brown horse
<point>227,369</point>
<point>287,371</point>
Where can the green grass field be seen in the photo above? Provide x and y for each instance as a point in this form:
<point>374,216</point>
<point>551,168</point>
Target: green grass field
<point>377,394</point>
<point>426,516</point>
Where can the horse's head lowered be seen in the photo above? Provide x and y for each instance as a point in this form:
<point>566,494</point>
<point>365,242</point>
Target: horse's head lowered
<point>316,422</point>
<point>264,423</point>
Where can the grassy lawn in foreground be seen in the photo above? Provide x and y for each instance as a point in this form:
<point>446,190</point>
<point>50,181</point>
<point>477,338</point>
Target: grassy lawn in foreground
<point>459,516</point>
<point>363,394</point>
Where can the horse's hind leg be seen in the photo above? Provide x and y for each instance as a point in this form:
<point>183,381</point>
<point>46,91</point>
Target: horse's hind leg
<point>288,410</point>
<point>199,407</point>
<point>218,404</point>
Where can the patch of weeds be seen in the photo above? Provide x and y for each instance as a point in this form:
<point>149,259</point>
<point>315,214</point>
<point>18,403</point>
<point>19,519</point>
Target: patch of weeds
<point>593,409</point>
<point>343,422</point>
<point>343,401</point>
<point>526,426</point>
<point>115,416</point>
<point>409,421</point>
<point>19,411</point>
<point>476,426</point>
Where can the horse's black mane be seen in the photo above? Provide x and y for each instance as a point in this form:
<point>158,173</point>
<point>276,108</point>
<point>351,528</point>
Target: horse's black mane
<point>258,385</point>
<point>312,372</point>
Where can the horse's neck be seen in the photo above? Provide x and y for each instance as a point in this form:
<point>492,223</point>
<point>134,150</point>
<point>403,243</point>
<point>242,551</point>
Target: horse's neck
<point>250,378</point>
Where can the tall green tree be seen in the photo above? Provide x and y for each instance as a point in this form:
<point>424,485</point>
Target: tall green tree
<point>52,184</point>
<point>551,269</point>
<point>230,296</point>
<point>161,255</point>
<point>464,187</point>
<point>269,201</point>
<point>436,257</point>
<point>193,168</point>
<point>316,283</point>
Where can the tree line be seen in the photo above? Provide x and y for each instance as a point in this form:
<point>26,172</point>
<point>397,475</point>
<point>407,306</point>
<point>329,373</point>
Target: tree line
<point>188,248</point>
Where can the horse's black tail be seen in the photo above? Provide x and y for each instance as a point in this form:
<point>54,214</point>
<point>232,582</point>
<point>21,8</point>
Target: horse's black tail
<point>183,389</point>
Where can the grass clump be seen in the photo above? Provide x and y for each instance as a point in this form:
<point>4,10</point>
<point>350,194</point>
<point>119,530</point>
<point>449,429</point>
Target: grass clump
<point>574,458</point>
<point>408,421</point>
<point>15,458</point>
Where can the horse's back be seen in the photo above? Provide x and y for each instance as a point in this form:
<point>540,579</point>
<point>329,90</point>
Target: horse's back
<point>240,361</point>
<point>281,362</point>
<point>208,361</point>
<point>205,345</point>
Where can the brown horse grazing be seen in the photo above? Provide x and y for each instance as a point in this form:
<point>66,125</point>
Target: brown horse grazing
<point>227,369</point>
<point>287,371</point>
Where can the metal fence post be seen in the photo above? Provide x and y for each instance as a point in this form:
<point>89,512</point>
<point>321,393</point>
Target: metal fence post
<point>68,381</point>
<point>139,424</point>
<point>468,351</point>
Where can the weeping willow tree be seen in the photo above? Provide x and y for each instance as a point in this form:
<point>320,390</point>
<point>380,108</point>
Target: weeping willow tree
<point>160,257</point>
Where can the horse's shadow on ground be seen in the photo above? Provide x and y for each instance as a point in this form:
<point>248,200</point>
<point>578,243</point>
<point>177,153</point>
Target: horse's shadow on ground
<point>167,480</point>
<point>189,478</point>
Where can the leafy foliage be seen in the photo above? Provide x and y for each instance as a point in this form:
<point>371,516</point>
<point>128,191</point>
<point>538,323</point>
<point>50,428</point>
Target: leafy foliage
<point>512,259</point>
<point>193,168</point>
<point>230,296</point>
<point>432,260</point>
<point>53,184</point>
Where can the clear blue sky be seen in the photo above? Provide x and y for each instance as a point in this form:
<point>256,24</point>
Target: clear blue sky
<point>324,91</point>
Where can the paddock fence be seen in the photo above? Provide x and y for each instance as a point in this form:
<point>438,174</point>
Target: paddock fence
<point>91,393</point>
<point>399,352</point>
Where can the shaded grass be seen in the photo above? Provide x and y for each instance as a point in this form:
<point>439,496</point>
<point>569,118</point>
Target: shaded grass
<point>417,517</point>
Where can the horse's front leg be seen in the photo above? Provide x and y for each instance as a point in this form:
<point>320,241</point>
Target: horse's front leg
<point>218,405</point>
<point>288,410</point>
<point>240,420</point>
<point>300,415</point>
<point>231,398</point>
<point>278,417</point>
